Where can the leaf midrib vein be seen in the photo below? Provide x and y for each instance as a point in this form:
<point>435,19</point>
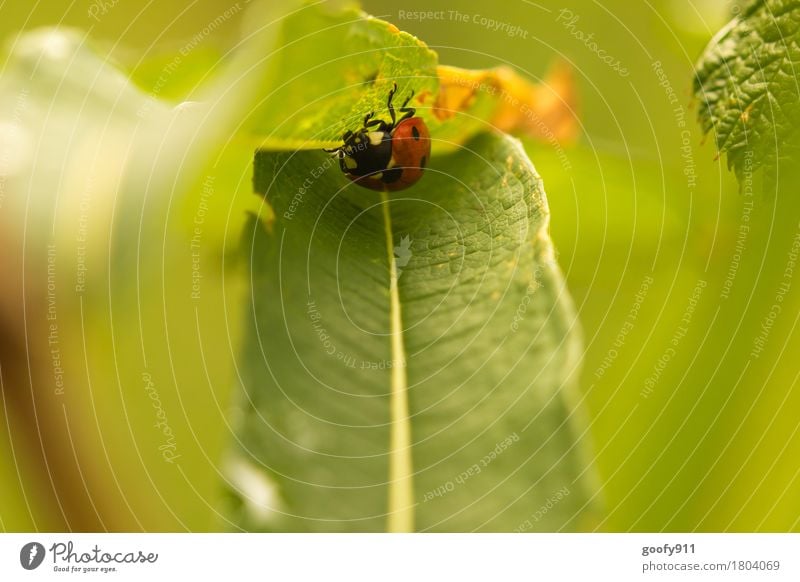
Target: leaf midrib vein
<point>401,486</point>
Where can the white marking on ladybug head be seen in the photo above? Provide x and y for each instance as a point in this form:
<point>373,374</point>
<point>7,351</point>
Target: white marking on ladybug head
<point>375,137</point>
<point>350,163</point>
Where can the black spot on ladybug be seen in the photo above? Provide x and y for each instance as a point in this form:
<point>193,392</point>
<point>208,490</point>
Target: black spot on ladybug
<point>391,175</point>
<point>423,161</point>
<point>415,133</point>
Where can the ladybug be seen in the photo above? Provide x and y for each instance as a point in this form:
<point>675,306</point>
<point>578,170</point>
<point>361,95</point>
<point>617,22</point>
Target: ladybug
<point>386,156</point>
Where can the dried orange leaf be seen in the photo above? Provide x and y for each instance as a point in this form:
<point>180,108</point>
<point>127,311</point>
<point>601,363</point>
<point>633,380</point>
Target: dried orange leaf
<point>543,111</point>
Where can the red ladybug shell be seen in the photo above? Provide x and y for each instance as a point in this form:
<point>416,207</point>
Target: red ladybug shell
<point>411,150</point>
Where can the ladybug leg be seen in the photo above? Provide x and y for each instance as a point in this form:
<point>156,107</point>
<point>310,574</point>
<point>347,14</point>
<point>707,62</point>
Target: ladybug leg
<point>346,137</point>
<point>339,153</point>
<point>367,118</point>
<point>390,106</point>
<point>407,111</point>
<point>379,123</point>
<point>370,123</point>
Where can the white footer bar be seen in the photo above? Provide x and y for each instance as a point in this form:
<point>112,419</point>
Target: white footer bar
<point>413,557</point>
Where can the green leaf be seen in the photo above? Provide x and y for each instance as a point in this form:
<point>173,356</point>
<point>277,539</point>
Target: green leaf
<point>475,337</point>
<point>333,67</point>
<point>748,87</point>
